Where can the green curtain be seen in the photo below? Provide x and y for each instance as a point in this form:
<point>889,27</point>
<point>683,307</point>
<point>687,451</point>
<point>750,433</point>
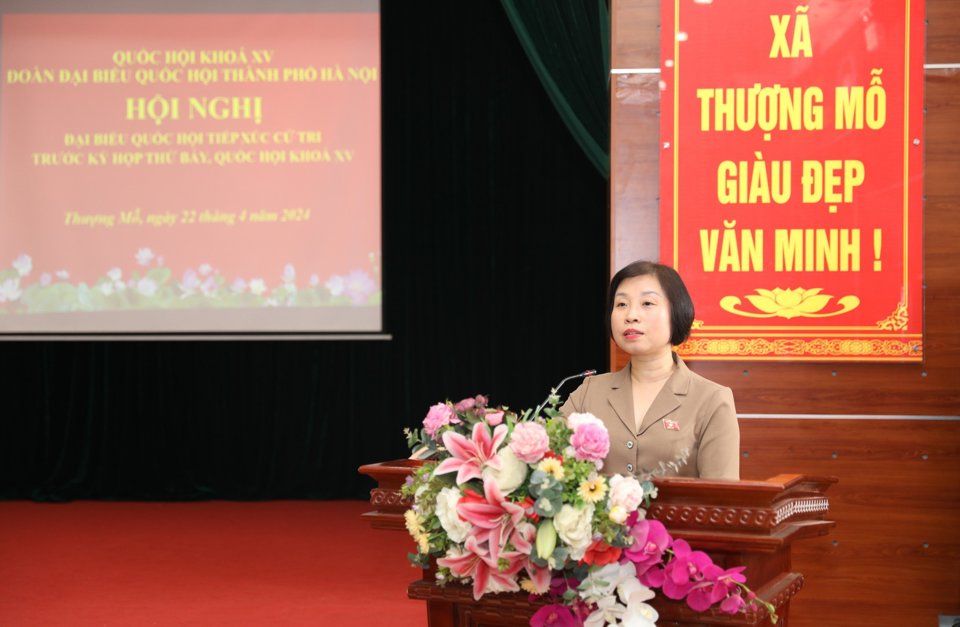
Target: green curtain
<point>568,43</point>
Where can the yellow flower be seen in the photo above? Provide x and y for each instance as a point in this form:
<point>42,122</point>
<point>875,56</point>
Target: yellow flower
<point>529,587</point>
<point>552,466</point>
<point>592,490</point>
<point>413,523</point>
<point>423,542</point>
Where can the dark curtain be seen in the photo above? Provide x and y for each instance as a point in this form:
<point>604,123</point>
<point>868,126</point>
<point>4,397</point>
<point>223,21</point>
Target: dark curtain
<point>495,257</point>
<point>568,44</point>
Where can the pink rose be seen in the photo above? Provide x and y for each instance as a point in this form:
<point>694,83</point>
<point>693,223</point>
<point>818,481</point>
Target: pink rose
<point>466,404</point>
<point>477,403</point>
<point>529,442</point>
<point>440,415</point>
<point>494,418</point>
<point>590,442</point>
<point>625,492</point>
<point>575,420</point>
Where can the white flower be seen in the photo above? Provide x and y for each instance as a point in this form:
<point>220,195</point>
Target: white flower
<point>144,256</point>
<point>575,420</point>
<point>619,596</point>
<point>608,612</point>
<point>205,269</point>
<point>511,474</point>
<point>257,287</point>
<point>618,514</point>
<point>10,290</point>
<point>625,492</point>
<point>457,528</point>
<point>106,288</point>
<point>190,283</point>
<point>336,285</point>
<point>147,287</point>
<point>314,280</point>
<point>23,265</point>
<point>631,590</point>
<point>239,286</point>
<point>573,527</point>
<point>639,613</point>
<point>46,279</point>
<point>289,273</point>
<point>602,582</point>
<point>63,275</point>
<point>115,274</point>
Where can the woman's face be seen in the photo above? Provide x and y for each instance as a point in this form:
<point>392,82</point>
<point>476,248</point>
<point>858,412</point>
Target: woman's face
<point>640,320</point>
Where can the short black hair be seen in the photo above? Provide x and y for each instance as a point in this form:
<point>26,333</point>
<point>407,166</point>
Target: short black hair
<point>681,305</point>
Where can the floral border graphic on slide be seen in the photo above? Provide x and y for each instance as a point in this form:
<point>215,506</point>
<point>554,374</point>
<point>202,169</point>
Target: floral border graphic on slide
<point>150,284</point>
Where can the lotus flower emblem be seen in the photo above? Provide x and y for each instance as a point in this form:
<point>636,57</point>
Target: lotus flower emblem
<point>789,303</point>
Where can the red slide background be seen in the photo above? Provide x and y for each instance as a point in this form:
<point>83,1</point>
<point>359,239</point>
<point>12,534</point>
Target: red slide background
<point>44,122</point>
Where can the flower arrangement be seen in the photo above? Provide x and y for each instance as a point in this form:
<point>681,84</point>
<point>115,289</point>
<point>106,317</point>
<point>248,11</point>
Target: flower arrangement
<point>511,502</point>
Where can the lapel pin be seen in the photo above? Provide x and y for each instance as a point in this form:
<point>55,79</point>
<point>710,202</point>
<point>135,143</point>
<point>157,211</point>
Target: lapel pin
<point>671,425</point>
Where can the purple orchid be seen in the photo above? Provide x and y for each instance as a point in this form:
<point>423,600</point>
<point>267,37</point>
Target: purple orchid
<point>685,570</point>
<point>650,540</point>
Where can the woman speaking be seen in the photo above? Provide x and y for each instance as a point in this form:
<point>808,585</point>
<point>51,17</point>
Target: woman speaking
<point>655,407</point>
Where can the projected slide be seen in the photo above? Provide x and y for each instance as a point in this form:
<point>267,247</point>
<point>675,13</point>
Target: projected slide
<point>190,172</point>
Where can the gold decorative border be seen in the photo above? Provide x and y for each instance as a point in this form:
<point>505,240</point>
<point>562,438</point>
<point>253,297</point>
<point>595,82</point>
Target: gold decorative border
<point>794,348</point>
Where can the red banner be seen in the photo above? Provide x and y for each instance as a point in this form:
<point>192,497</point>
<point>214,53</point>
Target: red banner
<point>791,180</point>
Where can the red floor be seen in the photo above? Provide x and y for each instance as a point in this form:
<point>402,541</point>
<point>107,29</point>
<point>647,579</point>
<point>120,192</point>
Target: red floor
<point>288,563</point>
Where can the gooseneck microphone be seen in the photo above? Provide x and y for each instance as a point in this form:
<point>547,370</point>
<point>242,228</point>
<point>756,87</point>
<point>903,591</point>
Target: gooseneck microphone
<point>554,390</point>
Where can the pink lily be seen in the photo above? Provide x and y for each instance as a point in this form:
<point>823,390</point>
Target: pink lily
<point>468,457</point>
<point>523,538</point>
<point>493,517</point>
<point>476,563</point>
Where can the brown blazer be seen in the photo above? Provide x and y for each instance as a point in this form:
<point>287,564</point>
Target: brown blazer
<point>699,412</point>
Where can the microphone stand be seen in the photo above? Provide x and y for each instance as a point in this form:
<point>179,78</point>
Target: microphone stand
<point>553,391</point>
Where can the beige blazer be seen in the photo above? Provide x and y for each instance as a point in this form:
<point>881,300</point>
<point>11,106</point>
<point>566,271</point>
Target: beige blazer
<point>689,412</point>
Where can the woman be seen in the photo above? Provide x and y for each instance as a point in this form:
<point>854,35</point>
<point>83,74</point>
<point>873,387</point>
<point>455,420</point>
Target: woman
<point>655,406</point>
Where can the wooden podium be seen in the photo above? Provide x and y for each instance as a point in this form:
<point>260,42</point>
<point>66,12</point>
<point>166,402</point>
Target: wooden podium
<point>738,523</point>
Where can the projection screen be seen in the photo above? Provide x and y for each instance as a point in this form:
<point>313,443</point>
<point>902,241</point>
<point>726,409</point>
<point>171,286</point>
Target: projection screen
<point>190,168</point>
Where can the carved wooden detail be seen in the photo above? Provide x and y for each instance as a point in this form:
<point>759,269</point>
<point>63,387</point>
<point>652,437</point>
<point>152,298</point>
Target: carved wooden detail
<point>743,518</point>
<point>388,499</point>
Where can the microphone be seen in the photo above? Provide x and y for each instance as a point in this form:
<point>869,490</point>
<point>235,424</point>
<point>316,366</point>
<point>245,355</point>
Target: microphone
<point>554,390</point>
